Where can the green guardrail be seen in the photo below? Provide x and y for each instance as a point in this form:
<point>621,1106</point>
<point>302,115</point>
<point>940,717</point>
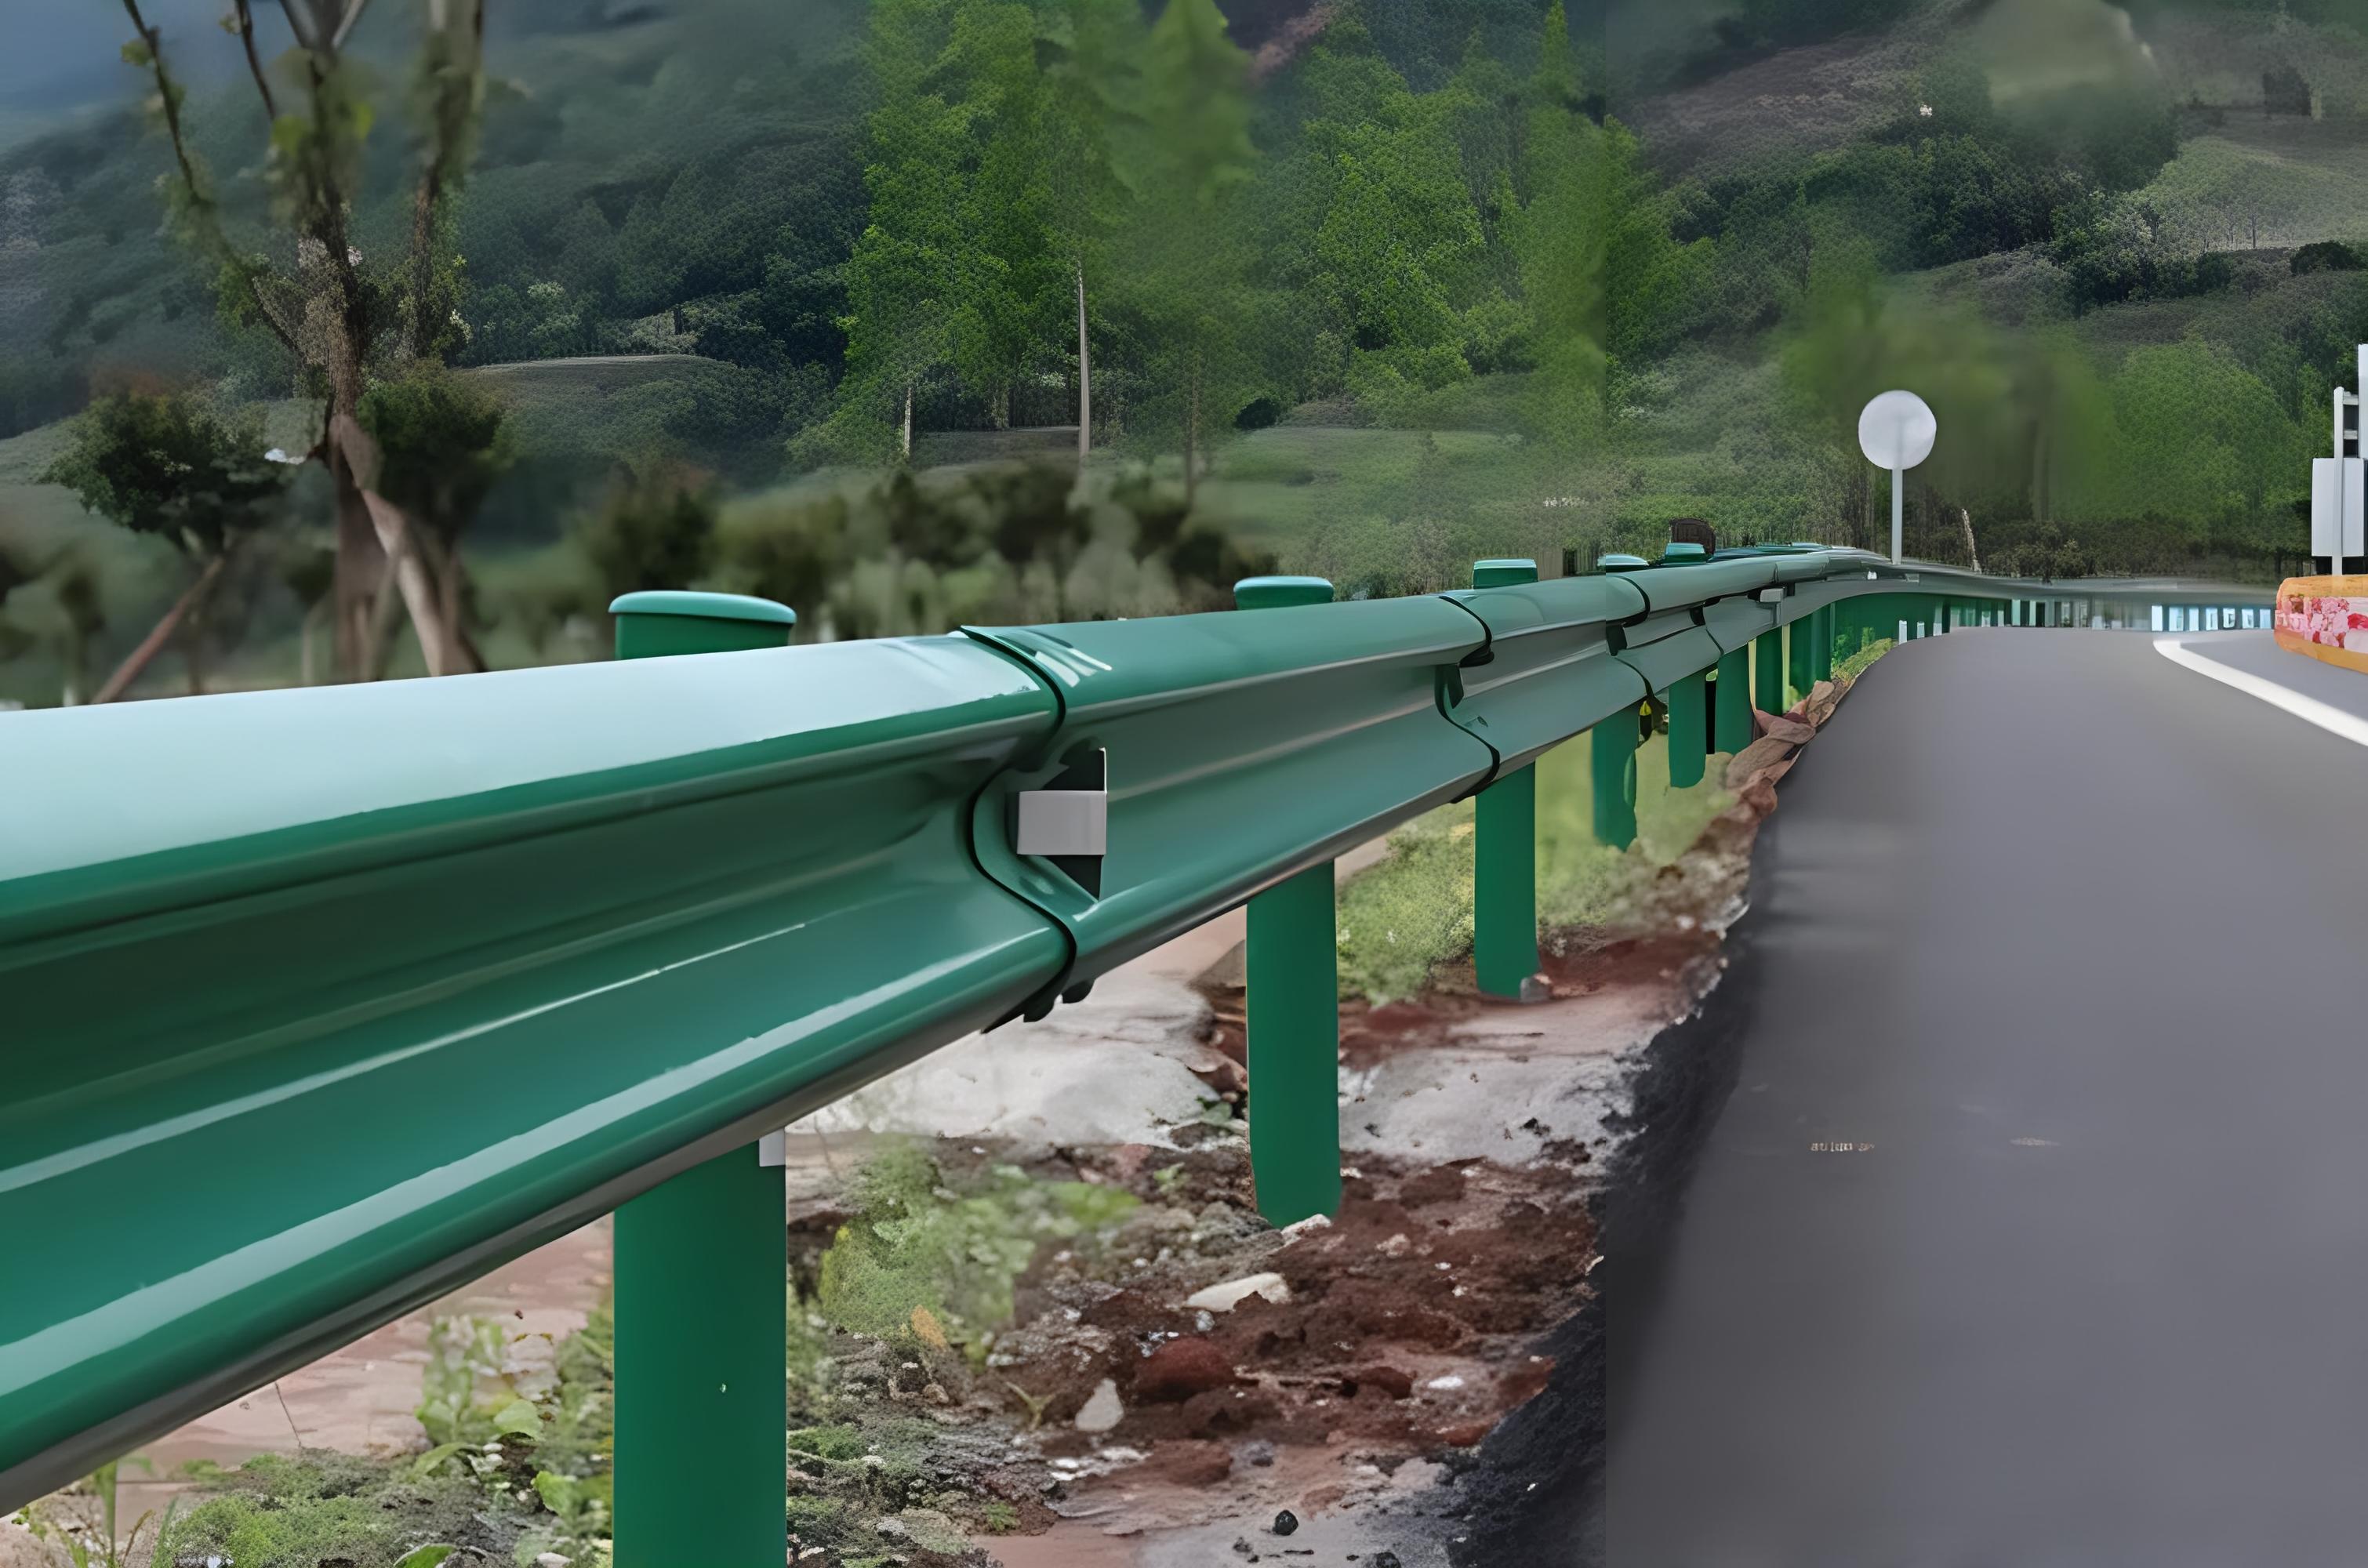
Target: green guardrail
<point>321,1001</point>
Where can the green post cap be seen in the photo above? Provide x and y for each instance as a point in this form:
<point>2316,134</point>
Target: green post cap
<point>1676,551</point>
<point>1276,593</point>
<point>1503,572</point>
<point>660,622</point>
<point>1620,563</point>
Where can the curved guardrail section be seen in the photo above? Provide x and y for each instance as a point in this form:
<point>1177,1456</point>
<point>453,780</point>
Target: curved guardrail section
<point>348,994</point>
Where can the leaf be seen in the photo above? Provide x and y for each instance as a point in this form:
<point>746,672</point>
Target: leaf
<point>926,1329</point>
<point>560,1493</point>
<point>424,1556</point>
<point>424,1465</point>
<point>289,134</point>
<point>136,54</point>
<point>518,1418</point>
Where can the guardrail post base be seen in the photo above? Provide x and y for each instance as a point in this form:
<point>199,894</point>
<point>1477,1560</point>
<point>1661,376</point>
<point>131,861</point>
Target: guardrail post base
<point>1504,883</point>
<point>1612,769</point>
<point>702,1272</point>
<point>702,1322</point>
<point>1291,1009</point>
<point>1734,720</point>
<point>1688,730</point>
<point>1505,850</point>
<point>1767,670</point>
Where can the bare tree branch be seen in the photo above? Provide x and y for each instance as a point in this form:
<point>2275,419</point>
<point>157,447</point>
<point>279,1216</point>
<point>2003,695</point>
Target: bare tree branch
<point>203,215</point>
<point>353,13</point>
<point>254,62</point>
<point>169,100</point>
<point>150,645</point>
<point>296,24</point>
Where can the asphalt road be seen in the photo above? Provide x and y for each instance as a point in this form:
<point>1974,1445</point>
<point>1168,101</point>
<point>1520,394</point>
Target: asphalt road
<point>2035,1229</point>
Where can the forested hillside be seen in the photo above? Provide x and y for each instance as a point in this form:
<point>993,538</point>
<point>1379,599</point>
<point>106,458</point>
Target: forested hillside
<point>917,311</point>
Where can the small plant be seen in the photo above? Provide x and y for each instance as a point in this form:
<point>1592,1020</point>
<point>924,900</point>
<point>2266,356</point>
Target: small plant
<point>104,1552</point>
<point>935,1268</point>
<point>275,1512</point>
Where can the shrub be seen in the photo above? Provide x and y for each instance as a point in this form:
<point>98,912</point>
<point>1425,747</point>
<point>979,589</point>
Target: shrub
<point>2328,255</point>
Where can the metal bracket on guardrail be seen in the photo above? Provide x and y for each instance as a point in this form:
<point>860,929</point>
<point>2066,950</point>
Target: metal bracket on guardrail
<point>1067,820</point>
<point>1770,595</point>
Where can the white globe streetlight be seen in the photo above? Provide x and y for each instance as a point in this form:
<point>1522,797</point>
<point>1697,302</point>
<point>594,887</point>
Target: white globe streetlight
<point>1897,431</point>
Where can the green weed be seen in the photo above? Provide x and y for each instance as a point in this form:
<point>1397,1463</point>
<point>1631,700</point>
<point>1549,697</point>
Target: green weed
<point>1403,917</point>
<point>275,1512</point>
<point>917,1247</point>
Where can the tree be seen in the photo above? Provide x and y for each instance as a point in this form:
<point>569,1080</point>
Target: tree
<point>1006,268</point>
<point>656,528</point>
<point>165,465</point>
<point>2203,442</point>
<point>447,102</point>
<point>1559,237</point>
<point>307,568</point>
<point>74,584</point>
<point>1092,75</point>
<point>1392,246</point>
<point>443,441</point>
<point>1191,257</point>
<point>331,309</point>
<point>903,277</point>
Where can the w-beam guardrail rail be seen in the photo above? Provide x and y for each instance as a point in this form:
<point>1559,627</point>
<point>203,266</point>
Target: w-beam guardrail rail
<point>321,1001</point>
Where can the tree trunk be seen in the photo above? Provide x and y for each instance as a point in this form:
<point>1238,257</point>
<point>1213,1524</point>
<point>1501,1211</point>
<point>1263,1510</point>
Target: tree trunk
<point>307,668</point>
<point>193,650</point>
<point>77,663</point>
<point>1191,436</point>
<point>460,654</point>
<point>908,422</point>
<point>162,634</point>
<point>1085,377</point>
<point>381,626</point>
<point>360,566</point>
<point>392,531</point>
<point>1973,553</point>
<point>2039,476</point>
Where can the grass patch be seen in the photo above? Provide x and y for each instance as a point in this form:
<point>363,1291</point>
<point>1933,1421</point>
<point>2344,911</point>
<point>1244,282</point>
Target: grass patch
<point>275,1512</point>
<point>921,1262</point>
<point>1852,667</point>
<point>1412,912</point>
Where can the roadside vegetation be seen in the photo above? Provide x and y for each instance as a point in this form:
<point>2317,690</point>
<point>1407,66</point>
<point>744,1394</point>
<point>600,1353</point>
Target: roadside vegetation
<point>1371,296</point>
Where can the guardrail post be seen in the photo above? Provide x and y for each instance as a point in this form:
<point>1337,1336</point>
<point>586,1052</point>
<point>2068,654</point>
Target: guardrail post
<point>1505,851</point>
<point>1291,1009</point>
<point>1767,670</point>
<point>1821,645</point>
<point>1612,755</point>
<point>1797,642</point>
<point>702,1271</point>
<point>1688,730</point>
<point>1734,717</point>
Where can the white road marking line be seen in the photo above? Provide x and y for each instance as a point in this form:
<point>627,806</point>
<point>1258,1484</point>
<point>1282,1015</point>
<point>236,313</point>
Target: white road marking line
<point>2309,710</point>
